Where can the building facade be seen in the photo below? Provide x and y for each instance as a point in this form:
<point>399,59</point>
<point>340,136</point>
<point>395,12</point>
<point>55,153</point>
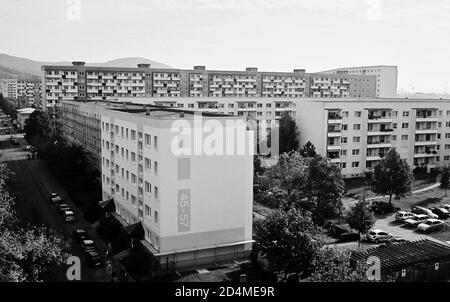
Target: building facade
<point>190,219</point>
<point>356,133</point>
<point>29,91</point>
<point>386,79</point>
<point>80,82</point>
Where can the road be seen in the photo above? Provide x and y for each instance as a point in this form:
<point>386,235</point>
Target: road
<point>32,185</point>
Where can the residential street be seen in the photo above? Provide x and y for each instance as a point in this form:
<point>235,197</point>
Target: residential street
<point>32,185</point>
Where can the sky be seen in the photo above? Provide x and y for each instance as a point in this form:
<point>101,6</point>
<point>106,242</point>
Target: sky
<point>273,35</point>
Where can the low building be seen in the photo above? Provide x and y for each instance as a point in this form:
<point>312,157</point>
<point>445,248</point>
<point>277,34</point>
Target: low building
<point>22,116</point>
<point>416,261</point>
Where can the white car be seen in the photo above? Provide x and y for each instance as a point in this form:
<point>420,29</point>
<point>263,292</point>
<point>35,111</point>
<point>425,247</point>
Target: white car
<point>55,198</point>
<point>416,219</point>
<point>431,225</point>
<point>378,236</point>
<point>403,215</point>
<point>446,206</point>
<point>69,216</point>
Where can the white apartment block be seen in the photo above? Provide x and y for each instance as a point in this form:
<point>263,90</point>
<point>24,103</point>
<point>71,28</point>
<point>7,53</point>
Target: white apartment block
<point>386,78</point>
<point>88,83</point>
<point>357,133</point>
<point>15,89</point>
<point>196,209</point>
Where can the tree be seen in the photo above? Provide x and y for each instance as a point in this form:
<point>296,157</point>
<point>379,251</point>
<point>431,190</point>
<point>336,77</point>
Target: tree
<point>288,134</point>
<point>324,188</point>
<point>392,176</point>
<point>332,265</point>
<point>286,239</point>
<point>26,252</point>
<point>445,179</point>
<point>361,217</point>
<point>308,150</point>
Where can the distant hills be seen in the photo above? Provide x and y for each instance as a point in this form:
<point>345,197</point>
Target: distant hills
<point>23,68</point>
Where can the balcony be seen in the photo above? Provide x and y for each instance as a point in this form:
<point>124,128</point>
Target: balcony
<point>426,118</point>
<point>425,143</point>
<point>426,131</point>
<point>378,144</point>
<point>334,147</point>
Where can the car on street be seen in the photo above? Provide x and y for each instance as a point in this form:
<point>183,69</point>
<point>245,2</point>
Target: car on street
<point>447,207</point>
<point>441,212</point>
<point>422,210</point>
<point>377,236</point>
<point>69,216</point>
<point>63,207</point>
<point>94,259</point>
<point>416,219</point>
<point>380,207</point>
<point>431,225</point>
<point>55,198</point>
<point>87,245</point>
<point>27,148</point>
<point>403,215</point>
<point>80,235</point>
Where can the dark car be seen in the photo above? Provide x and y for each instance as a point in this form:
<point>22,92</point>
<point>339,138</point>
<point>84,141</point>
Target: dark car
<point>441,212</point>
<point>80,235</point>
<point>380,207</point>
<point>94,259</point>
<point>87,245</point>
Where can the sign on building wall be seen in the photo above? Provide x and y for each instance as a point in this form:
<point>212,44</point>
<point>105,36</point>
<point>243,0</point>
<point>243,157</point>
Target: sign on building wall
<point>184,210</point>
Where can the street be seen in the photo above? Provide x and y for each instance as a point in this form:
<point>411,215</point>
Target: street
<point>32,185</point>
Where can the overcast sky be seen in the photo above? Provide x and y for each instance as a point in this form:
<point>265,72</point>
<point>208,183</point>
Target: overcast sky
<point>273,35</point>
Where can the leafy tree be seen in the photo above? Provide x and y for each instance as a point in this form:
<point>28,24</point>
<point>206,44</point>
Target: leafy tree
<point>26,252</point>
<point>324,188</point>
<point>361,217</point>
<point>286,239</point>
<point>392,176</point>
<point>333,265</point>
<point>445,179</point>
<point>308,150</point>
<point>288,134</point>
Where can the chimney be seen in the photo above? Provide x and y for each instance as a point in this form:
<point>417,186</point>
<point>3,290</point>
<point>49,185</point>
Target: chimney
<point>199,67</point>
<point>251,69</point>
<point>299,71</point>
<point>143,65</point>
<point>78,63</point>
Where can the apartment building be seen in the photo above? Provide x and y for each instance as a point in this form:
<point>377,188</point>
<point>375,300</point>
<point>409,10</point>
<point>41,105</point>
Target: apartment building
<point>30,91</point>
<point>357,133</point>
<point>80,82</point>
<point>386,79</point>
<point>196,209</point>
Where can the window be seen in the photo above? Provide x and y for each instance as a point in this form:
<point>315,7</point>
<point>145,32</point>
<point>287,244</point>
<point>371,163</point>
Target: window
<point>405,113</point>
<point>394,126</point>
<point>447,158</point>
<point>148,164</point>
<point>156,192</point>
<point>156,217</point>
<point>155,167</point>
<point>344,113</point>
<point>355,164</point>
<point>343,165</point>
<point>155,142</point>
<point>343,140</point>
<point>394,137</point>
<point>133,199</point>
<point>133,157</point>
<point>133,178</point>
<point>405,125</point>
<point>344,127</point>
<point>394,113</point>
<point>148,187</point>
<point>355,152</point>
<point>148,140</point>
<point>343,152</point>
<point>404,137</point>
<point>147,210</point>
<point>356,139</point>
<point>356,126</point>
<point>447,135</point>
<point>357,113</point>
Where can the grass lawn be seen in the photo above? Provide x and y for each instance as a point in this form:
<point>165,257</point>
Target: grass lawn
<point>425,199</point>
<point>355,187</point>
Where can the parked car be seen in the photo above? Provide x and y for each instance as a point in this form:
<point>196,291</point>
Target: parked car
<point>447,207</point>
<point>69,216</point>
<point>441,212</point>
<point>396,240</point>
<point>80,235</point>
<point>63,208</point>
<point>55,198</point>
<point>422,210</point>
<point>27,148</point>
<point>344,233</point>
<point>380,207</point>
<point>416,219</point>
<point>403,215</point>
<point>87,245</point>
<point>377,236</point>
<point>94,259</point>
<point>431,225</point>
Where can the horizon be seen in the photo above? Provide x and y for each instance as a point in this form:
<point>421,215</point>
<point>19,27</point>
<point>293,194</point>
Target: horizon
<point>230,35</point>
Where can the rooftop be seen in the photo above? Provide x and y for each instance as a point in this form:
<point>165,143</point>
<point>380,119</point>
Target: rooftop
<point>399,255</point>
